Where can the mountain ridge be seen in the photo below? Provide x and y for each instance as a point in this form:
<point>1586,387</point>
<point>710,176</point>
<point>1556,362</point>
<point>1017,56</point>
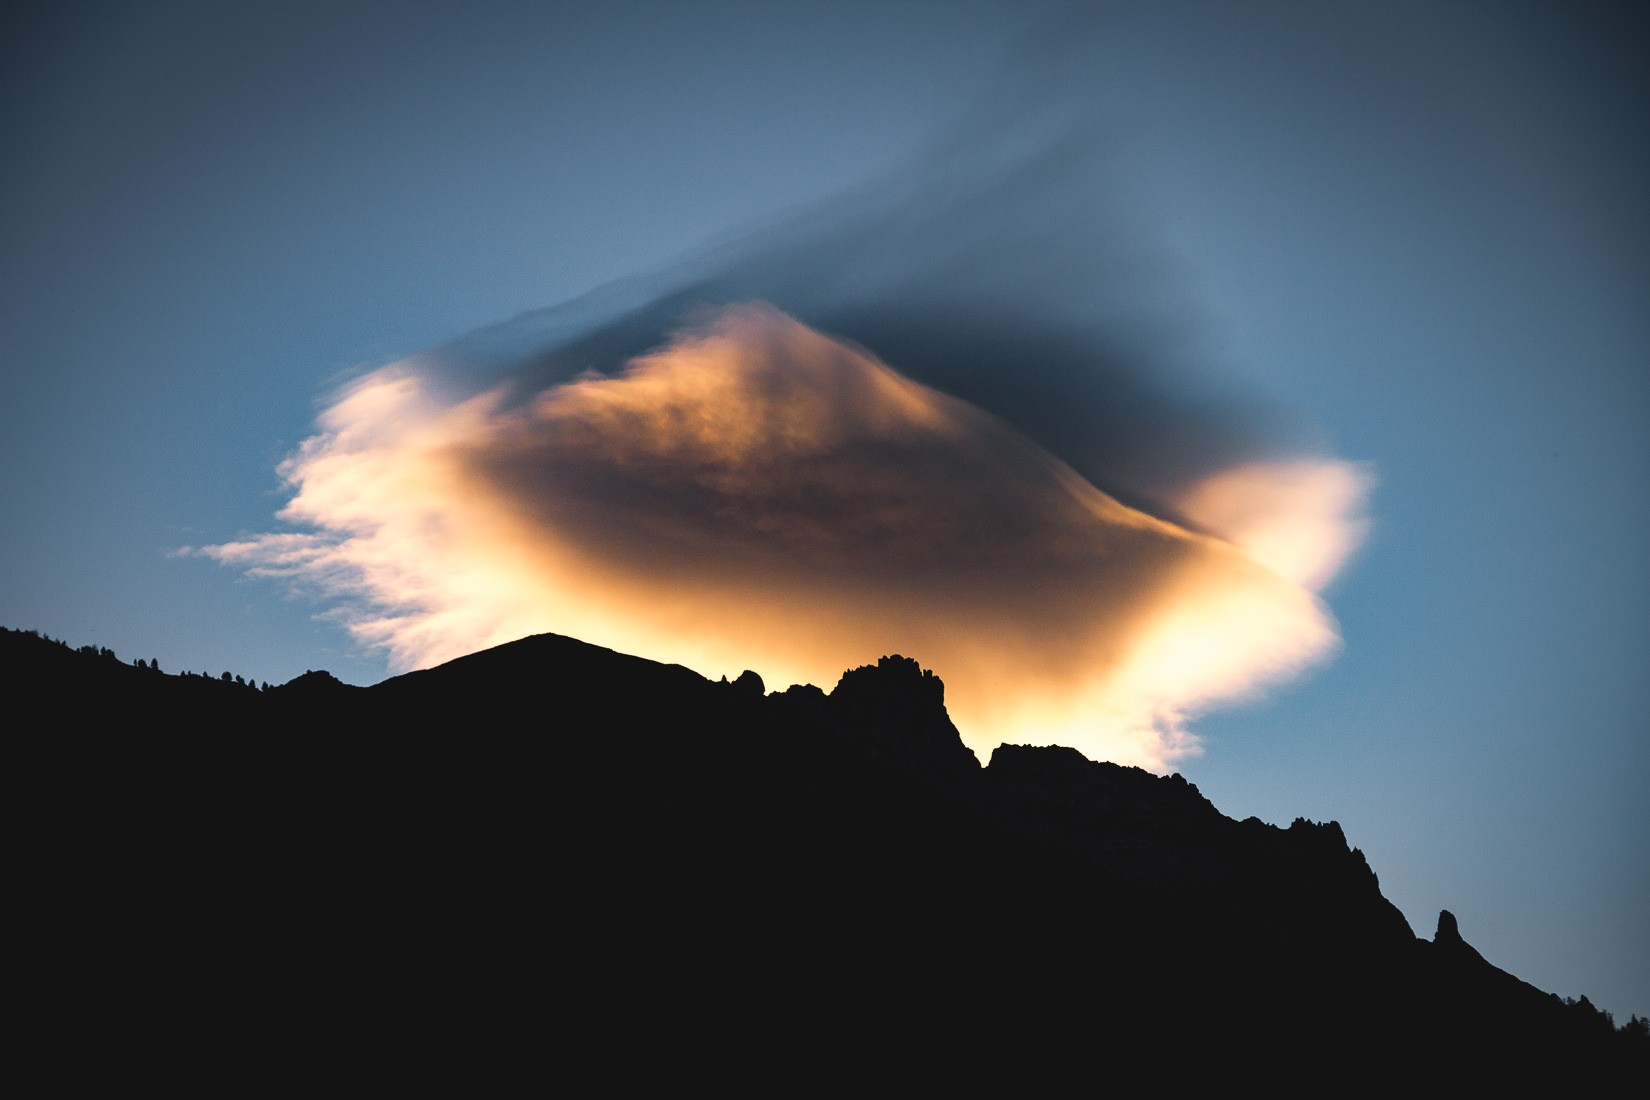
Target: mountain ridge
<point>762,827</point>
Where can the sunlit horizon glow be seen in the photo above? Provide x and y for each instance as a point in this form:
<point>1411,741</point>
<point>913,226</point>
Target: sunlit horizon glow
<point>759,495</point>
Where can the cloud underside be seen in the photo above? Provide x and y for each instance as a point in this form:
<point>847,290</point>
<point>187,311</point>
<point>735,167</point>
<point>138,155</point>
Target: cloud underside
<point>756,494</point>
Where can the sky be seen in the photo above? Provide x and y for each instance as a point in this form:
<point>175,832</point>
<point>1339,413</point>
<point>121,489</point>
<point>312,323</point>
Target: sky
<point>1313,331</point>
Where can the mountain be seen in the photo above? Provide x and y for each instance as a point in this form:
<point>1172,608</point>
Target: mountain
<point>632,870</point>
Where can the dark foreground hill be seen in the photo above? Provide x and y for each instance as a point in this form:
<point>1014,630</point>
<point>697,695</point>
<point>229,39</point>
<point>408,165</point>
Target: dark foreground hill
<point>553,853</point>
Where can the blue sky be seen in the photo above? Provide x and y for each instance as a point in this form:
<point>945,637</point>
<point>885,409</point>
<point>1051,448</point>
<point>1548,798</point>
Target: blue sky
<point>1414,230</point>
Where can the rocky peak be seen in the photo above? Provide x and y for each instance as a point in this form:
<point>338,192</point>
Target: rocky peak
<point>897,680</point>
<point>898,708</point>
<point>1112,791</point>
<point>1448,931</point>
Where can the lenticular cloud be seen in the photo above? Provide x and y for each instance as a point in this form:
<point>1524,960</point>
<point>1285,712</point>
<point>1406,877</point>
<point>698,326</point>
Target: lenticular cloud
<point>757,494</point>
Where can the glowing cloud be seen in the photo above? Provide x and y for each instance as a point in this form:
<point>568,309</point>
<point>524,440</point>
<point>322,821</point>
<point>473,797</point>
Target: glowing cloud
<point>1300,519</point>
<point>757,494</point>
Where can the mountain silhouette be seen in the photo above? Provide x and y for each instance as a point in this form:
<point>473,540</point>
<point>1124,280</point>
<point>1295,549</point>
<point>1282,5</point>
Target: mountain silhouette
<point>646,875</point>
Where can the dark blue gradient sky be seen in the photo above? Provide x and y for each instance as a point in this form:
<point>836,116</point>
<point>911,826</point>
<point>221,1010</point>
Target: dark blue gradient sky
<point>1412,232</point>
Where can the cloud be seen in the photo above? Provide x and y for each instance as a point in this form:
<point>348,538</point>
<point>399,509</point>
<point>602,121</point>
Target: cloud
<point>999,269</point>
<point>972,423</point>
<point>1301,519</point>
<point>758,493</point>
